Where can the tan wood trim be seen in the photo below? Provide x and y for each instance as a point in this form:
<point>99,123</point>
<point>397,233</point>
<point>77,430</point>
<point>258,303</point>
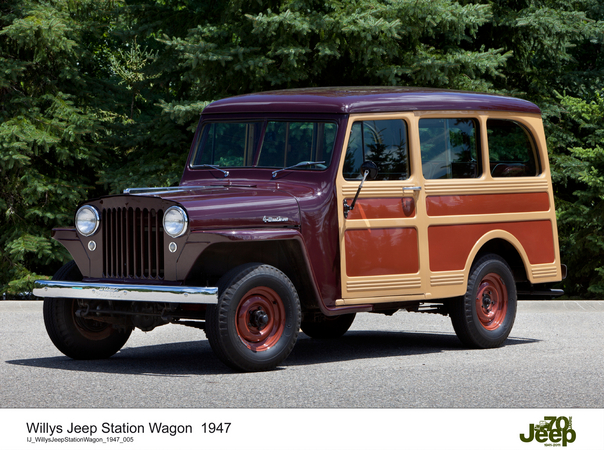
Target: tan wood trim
<point>427,284</point>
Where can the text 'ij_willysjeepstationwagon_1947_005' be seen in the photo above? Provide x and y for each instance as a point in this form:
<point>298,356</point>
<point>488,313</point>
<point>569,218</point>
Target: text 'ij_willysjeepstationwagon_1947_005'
<point>298,209</point>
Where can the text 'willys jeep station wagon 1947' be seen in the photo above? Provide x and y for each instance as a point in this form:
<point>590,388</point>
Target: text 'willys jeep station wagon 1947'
<point>298,209</point>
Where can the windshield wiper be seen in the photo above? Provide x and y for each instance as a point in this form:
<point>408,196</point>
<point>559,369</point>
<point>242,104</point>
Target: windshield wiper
<point>225,172</point>
<point>300,164</point>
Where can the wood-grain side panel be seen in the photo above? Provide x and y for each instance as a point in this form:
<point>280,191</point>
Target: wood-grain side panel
<point>450,245</point>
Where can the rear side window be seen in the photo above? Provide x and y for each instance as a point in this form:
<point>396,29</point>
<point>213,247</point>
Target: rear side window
<point>449,148</point>
<point>511,151</point>
<point>382,141</point>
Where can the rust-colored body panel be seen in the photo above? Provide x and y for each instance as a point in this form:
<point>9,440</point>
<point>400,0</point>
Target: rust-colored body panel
<point>363,259</point>
<point>459,205</point>
<point>383,208</point>
<point>450,245</point>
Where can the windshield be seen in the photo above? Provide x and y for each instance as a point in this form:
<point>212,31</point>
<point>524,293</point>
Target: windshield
<point>284,144</point>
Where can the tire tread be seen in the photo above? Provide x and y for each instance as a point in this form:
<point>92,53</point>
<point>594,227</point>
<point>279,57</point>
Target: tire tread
<point>217,330</point>
<point>464,320</point>
<point>63,334</point>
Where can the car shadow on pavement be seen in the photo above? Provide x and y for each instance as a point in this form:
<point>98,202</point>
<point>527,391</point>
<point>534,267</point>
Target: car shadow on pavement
<point>378,344</point>
<point>178,359</point>
<point>183,359</point>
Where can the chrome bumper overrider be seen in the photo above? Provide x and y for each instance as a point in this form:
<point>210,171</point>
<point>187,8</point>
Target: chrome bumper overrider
<point>126,292</point>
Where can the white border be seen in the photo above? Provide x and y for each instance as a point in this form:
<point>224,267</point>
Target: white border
<point>266,429</point>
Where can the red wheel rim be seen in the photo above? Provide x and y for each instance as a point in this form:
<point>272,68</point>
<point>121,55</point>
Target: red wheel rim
<point>260,319</point>
<point>491,301</point>
<point>90,329</point>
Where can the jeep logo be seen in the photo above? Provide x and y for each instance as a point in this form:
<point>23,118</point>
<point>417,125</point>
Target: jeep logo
<point>552,429</point>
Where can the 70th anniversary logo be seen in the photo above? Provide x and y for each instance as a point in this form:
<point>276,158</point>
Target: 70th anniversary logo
<point>552,431</point>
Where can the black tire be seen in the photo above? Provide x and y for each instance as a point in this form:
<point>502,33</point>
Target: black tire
<point>76,337</point>
<point>256,322</point>
<point>326,327</point>
<point>484,316</point>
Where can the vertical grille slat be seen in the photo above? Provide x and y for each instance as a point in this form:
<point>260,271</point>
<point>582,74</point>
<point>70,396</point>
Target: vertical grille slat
<point>133,243</point>
<point>136,240</point>
<point>143,247</point>
<point>118,241</point>
<point>158,257</point>
<point>112,251</point>
<point>149,247</point>
<point>105,239</point>
<point>127,242</point>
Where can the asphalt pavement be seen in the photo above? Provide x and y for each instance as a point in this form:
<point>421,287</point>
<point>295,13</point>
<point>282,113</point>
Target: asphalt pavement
<point>554,358</point>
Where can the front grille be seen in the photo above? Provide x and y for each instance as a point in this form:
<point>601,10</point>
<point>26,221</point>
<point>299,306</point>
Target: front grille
<point>133,243</point>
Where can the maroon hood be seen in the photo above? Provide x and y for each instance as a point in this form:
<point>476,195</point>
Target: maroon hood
<point>236,207</point>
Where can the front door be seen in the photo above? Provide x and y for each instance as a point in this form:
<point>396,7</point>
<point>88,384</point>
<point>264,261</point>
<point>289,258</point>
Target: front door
<point>380,238</point>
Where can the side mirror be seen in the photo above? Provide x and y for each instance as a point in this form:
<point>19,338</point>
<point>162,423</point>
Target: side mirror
<point>371,167</point>
<point>368,170</point>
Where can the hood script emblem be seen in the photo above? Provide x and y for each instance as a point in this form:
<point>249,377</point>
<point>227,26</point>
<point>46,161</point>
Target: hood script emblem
<point>273,219</point>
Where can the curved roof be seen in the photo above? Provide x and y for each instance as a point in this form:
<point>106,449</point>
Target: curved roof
<point>347,100</point>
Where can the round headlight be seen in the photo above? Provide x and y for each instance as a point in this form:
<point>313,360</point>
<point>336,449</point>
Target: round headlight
<point>87,220</point>
<point>175,221</point>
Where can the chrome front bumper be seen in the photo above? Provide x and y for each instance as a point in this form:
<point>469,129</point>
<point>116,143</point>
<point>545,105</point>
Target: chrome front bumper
<point>126,292</point>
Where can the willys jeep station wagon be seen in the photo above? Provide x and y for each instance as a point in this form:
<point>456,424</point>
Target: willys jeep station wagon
<point>298,209</point>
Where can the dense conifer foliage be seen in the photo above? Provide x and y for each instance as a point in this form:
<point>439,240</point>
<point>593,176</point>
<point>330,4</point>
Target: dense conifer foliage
<point>98,95</point>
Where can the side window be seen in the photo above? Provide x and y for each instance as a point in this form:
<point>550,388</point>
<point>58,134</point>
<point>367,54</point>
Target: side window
<point>382,141</point>
<point>511,152</point>
<point>449,148</point>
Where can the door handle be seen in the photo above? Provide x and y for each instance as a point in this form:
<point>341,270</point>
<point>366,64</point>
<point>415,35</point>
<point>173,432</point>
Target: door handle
<point>412,188</point>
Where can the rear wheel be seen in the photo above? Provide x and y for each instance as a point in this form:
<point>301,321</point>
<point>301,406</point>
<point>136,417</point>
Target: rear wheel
<point>76,337</point>
<point>256,322</point>
<point>484,316</point>
<point>326,327</point>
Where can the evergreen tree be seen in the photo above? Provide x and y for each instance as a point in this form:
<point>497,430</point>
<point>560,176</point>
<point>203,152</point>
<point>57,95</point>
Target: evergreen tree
<point>254,46</point>
<point>156,119</point>
<point>579,175</point>
<point>96,96</point>
<point>49,129</point>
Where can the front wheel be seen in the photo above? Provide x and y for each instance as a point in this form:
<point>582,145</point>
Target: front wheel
<point>74,336</point>
<point>256,322</point>
<point>484,316</point>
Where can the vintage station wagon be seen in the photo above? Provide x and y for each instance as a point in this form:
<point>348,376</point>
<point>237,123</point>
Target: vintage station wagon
<point>298,209</point>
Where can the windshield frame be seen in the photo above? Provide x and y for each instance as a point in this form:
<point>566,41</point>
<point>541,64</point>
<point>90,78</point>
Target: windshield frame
<point>259,144</point>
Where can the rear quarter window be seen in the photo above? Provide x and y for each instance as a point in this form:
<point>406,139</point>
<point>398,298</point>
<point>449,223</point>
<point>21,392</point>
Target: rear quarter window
<point>511,150</point>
